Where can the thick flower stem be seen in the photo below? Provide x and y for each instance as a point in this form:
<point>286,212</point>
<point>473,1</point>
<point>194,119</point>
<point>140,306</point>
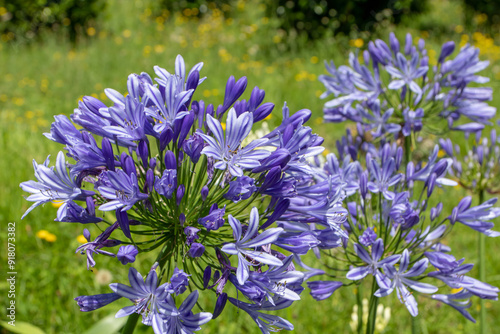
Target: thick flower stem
<point>360,309</point>
<point>416,325</point>
<point>482,272</point>
<point>372,310</point>
<point>131,323</point>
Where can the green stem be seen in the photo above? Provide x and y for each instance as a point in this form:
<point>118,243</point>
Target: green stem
<point>360,309</point>
<point>415,325</point>
<point>130,324</point>
<point>372,311</point>
<point>482,272</point>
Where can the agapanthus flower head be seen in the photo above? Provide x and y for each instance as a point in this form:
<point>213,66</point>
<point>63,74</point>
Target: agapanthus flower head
<point>394,104</point>
<point>394,223</point>
<point>194,183</point>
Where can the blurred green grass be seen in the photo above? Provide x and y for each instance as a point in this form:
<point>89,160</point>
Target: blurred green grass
<point>46,79</point>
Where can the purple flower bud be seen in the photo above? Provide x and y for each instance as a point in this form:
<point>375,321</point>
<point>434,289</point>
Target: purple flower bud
<point>93,104</point>
<point>182,219</point>
<point>219,305</point>
<point>399,157</point>
<point>107,151</point>
<point>150,179</point>
<point>421,44</point>
<point>408,44</point>
<point>86,234</point>
<point>207,274</point>
<point>233,92</point>
<point>166,137</point>
<point>170,160</point>
<point>180,194</point>
<point>128,165</point>
<point>446,50</point>
<point>204,193</point>
<point>366,57</point>
<point>256,99</point>
<point>191,234</point>
<point>152,163</point>
<point>126,254</point>
<point>143,152</point>
<point>394,43</point>
<point>430,183</point>
<point>263,111</point>
<point>122,219</point>
<point>187,123</point>
<point>280,209</point>
<point>363,184</point>
<point>436,211</point>
<point>196,250</point>
<point>280,157</point>
<point>91,303</point>
<point>321,290</point>
<point>493,136</point>
<point>193,80</point>
<point>480,154</point>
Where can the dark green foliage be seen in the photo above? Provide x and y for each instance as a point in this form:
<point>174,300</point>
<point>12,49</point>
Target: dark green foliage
<point>27,19</point>
<point>489,7</point>
<point>316,17</point>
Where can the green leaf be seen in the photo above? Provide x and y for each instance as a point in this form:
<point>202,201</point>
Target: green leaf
<point>21,328</point>
<point>110,325</point>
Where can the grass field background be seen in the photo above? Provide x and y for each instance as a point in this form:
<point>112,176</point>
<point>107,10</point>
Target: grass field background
<point>44,79</point>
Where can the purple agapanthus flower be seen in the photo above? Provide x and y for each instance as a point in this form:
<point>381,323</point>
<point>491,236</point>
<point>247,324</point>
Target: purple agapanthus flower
<point>383,178</point>
<point>95,247</point>
<point>92,303</point>
<point>178,282</point>
<point>123,191</point>
<point>130,119</point>
<point>77,214</point>
<point>54,184</point>
<point>182,320</point>
<point>215,218</point>
<point>228,150</point>
<point>405,73</point>
<point>321,290</point>
<point>239,248</point>
<point>478,218</point>
<point>399,281</point>
<point>459,301</point>
<point>147,297</point>
<point>167,184</point>
<point>240,189</point>
<point>374,263</point>
<point>267,322</point>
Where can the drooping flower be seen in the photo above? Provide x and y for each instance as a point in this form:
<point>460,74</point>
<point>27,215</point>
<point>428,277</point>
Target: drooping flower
<point>54,183</point>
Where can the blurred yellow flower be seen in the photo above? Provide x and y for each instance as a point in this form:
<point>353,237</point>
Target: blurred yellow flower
<point>42,234</point>
<point>50,237</point>
<point>81,239</point>
<point>126,33</point>
<point>91,31</point>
